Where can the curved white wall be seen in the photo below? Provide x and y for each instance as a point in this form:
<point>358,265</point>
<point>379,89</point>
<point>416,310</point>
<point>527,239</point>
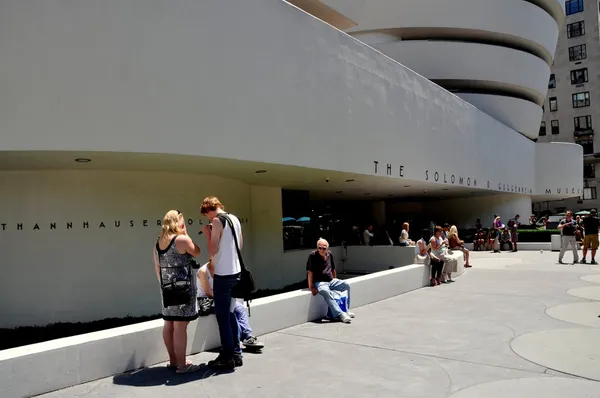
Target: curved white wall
<point>276,86</point>
<point>287,85</point>
<point>482,38</point>
<point>516,113</point>
<point>447,60</point>
<point>100,265</point>
<point>559,169</point>
<point>516,20</point>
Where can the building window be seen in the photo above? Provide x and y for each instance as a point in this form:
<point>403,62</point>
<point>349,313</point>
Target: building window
<point>589,193</point>
<point>587,143</point>
<point>573,6</point>
<point>577,53</point>
<point>554,127</point>
<point>589,171</point>
<point>552,81</point>
<point>576,29</point>
<point>581,99</point>
<point>543,128</point>
<point>579,76</point>
<point>583,123</point>
<point>553,104</point>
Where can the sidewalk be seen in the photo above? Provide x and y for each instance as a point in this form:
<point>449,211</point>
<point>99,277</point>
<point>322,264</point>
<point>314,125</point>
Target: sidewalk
<point>463,340</point>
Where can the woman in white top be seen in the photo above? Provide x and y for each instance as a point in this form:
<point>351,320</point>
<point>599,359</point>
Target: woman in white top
<point>439,250</point>
<point>404,239</point>
<point>422,248</point>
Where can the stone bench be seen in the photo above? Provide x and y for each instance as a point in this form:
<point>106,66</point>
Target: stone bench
<point>52,365</point>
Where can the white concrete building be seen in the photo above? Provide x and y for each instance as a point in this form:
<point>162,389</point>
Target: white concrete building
<point>113,112</point>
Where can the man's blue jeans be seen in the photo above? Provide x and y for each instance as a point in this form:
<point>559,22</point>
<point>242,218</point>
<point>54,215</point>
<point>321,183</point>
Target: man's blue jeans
<point>325,289</point>
<point>224,306</point>
<point>244,324</point>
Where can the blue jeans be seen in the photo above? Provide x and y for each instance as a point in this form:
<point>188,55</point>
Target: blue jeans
<point>242,317</point>
<point>228,324</point>
<point>325,289</point>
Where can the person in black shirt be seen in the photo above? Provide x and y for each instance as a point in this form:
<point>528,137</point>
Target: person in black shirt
<point>568,229</point>
<point>322,279</point>
<point>591,225</point>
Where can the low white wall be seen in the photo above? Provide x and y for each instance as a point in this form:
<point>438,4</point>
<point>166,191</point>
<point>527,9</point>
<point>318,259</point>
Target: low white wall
<point>377,258</point>
<point>25,371</point>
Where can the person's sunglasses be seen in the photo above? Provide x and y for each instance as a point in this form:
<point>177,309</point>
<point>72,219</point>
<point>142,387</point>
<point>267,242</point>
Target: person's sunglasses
<point>322,248</point>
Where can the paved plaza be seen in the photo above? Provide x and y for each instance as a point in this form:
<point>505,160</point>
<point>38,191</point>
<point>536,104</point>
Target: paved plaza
<point>516,325</point>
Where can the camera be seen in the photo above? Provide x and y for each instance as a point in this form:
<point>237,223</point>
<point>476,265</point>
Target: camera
<point>194,264</point>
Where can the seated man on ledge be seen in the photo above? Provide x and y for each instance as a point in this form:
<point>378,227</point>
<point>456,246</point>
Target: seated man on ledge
<point>322,279</point>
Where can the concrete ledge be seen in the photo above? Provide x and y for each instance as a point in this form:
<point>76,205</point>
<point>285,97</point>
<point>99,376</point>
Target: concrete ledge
<point>52,365</point>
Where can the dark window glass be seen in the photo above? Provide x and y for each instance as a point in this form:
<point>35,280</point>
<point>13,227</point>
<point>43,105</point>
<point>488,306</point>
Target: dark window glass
<point>553,104</point>
<point>576,29</point>
<point>543,128</point>
<point>579,76</point>
<point>554,127</point>
<point>552,81</point>
<point>581,99</point>
<point>577,53</point>
<point>583,122</point>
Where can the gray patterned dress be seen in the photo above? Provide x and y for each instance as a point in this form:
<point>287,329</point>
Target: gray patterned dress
<point>170,261</point>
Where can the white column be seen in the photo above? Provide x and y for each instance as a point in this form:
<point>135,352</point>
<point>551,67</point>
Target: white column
<point>266,237</point>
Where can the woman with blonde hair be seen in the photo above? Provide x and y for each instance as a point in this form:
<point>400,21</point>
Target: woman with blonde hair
<point>404,239</point>
<point>456,244</point>
<point>173,262</point>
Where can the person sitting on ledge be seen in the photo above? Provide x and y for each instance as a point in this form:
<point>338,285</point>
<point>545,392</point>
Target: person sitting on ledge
<point>322,279</point>
<point>457,244</point>
<point>506,239</point>
<point>404,239</point>
<point>479,241</point>
<point>205,289</point>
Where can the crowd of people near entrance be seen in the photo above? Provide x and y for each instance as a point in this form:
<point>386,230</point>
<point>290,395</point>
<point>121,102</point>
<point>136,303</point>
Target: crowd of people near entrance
<point>189,290</point>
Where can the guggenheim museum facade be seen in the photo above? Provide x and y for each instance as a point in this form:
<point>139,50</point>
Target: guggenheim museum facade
<point>113,112</point>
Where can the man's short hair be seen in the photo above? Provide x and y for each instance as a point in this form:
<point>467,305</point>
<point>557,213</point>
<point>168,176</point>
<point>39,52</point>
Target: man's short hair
<point>517,216</point>
<point>211,203</point>
<point>593,211</point>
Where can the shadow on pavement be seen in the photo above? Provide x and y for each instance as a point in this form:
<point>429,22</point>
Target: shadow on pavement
<point>149,377</point>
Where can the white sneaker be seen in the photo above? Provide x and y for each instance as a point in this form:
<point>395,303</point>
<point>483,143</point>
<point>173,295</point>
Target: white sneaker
<point>351,314</point>
<point>345,318</point>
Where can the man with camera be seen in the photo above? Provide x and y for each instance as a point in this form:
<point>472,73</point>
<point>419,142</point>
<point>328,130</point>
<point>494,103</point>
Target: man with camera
<point>568,229</point>
<point>223,246</point>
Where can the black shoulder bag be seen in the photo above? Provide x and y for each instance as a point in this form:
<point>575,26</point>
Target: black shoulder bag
<point>246,286</point>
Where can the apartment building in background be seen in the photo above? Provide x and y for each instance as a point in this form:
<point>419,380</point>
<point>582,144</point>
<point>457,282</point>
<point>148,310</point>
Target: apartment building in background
<point>572,107</point>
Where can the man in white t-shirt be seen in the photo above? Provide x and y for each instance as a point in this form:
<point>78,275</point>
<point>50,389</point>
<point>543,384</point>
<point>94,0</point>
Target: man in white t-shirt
<point>222,246</point>
<point>367,235</point>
